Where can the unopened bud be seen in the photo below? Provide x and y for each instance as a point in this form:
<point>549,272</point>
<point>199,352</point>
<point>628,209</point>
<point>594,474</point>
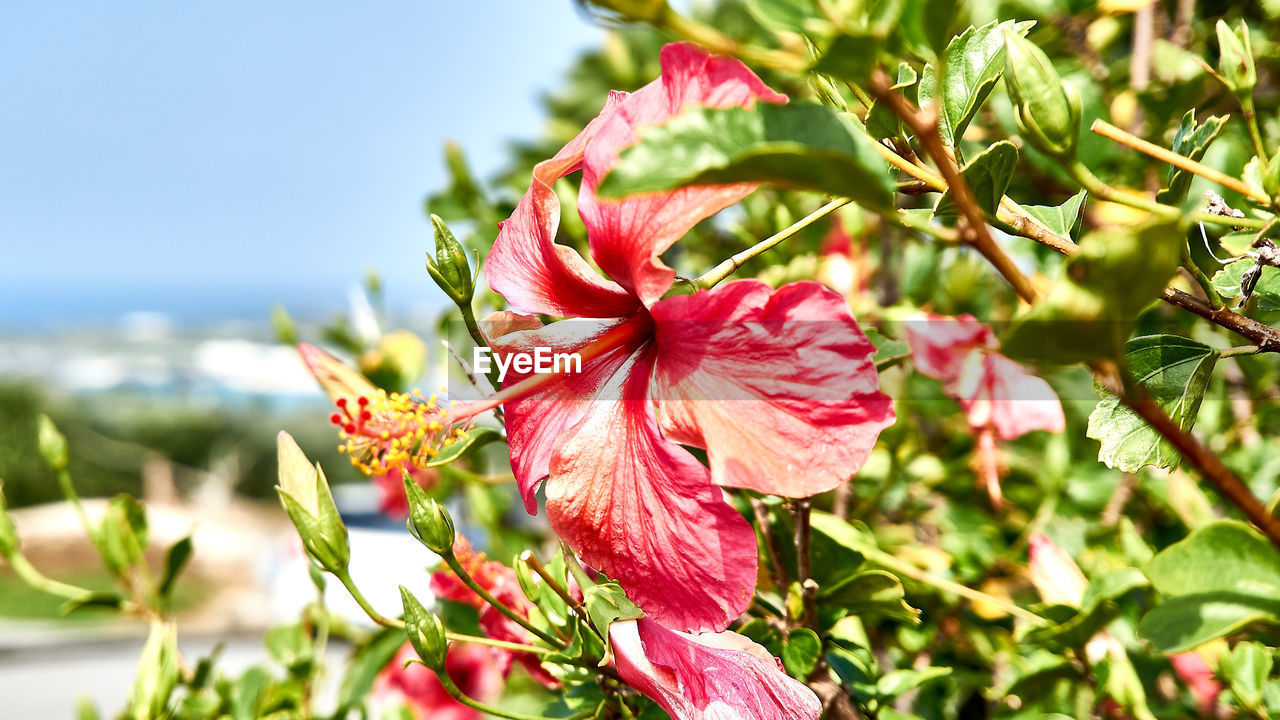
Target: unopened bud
<point>1047,109</point>
<point>305,493</point>
<point>52,444</point>
<point>451,269</point>
<point>425,631</point>
<point>428,521</point>
<point>122,536</point>
<point>1235,59</point>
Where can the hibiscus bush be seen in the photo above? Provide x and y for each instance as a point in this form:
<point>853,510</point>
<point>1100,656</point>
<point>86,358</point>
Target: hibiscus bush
<point>827,359</point>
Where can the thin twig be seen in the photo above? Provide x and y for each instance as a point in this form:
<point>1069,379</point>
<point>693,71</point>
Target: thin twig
<point>808,588</point>
<point>771,547</point>
<point>924,125</point>
<point>1111,132</point>
<point>726,268</point>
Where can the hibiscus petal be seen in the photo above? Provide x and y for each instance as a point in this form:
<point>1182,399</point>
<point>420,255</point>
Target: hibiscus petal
<point>529,269</point>
<point>628,235</point>
<point>537,421</point>
<point>708,677</point>
<point>643,510</point>
<point>996,391</point>
<point>778,386</point>
<point>940,344</point>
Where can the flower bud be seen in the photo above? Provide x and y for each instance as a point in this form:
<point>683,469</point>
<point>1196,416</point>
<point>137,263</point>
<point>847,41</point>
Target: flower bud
<point>1047,109</point>
<point>1271,176</point>
<point>52,444</point>
<point>305,493</point>
<point>428,521</point>
<point>397,362</point>
<point>451,269</point>
<point>425,631</point>
<point>158,673</point>
<point>8,534</point>
<point>1235,59</point>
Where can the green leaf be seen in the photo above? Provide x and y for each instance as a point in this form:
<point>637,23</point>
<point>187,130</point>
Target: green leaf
<point>786,15</point>
<point>289,645</point>
<point>898,682</point>
<point>972,63</point>
<point>1222,577</point>
<point>798,145</point>
<point>474,439</point>
<point>988,175</point>
<point>835,546</point>
<point>872,593</point>
<point>1092,307</point>
<point>122,535</point>
<point>888,352</point>
<point>606,604</point>
<point>1222,556</point>
<point>247,694</point>
<point>881,121</point>
<point>1227,282</point>
<point>801,652</point>
<point>1191,140</point>
<point>370,658</point>
<point>175,559</point>
<point>1247,669</point>
<point>1183,623</point>
<point>849,57</point>
<point>1061,219</point>
<point>1175,371</point>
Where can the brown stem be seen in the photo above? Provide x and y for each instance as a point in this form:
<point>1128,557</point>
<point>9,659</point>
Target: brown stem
<point>771,547</point>
<point>924,125</point>
<point>1182,18</point>
<point>1265,337</point>
<point>1223,480</point>
<point>808,588</point>
<point>1143,36</point>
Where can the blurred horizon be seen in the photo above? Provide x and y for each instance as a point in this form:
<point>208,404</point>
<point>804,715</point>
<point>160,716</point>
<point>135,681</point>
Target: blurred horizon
<point>202,164</point>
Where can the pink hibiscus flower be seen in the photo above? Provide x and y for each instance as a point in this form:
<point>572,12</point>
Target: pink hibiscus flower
<point>500,581</point>
<point>1000,399</point>
<point>713,676</point>
<point>776,385</point>
<point>474,668</point>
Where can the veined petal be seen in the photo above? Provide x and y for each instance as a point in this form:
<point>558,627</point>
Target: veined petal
<point>627,236</point>
<point>721,676</point>
<point>643,510</point>
<point>338,380</point>
<point>536,422</point>
<point>528,267</point>
<point>777,386</point>
<point>940,344</point>
<point>996,391</point>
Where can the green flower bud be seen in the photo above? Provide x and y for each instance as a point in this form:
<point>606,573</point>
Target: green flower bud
<point>52,444</point>
<point>451,269</point>
<point>397,362</point>
<point>122,536</point>
<point>8,534</point>
<point>428,521</point>
<point>157,673</point>
<point>304,491</point>
<point>1047,109</point>
<point>1271,176</point>
<point>425,631</point>
<point>1235,59</point>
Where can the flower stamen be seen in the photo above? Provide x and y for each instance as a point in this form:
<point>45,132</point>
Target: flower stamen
<point>390,431</point>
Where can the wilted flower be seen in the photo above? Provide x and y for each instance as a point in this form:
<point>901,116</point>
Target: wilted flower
<point>1000,399</point>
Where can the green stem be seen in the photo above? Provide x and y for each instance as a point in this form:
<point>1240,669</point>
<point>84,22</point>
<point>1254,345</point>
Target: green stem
<point>38,580</point>
<point>462,697</point>
<point>1240,350</point>
<point>517,618</point>
<point>713,276</point>
<point>1251,122</point>
<point>374,615</point>
<point>907,569</point>
<point>69,490</point>
<point>1250,223</point>
<point>473,327</point>
<point>1206,286</point>
<point>514,647</point>
<point>1097,187</point>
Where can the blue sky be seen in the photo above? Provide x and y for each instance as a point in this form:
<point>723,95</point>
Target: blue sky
<point>205,157</point>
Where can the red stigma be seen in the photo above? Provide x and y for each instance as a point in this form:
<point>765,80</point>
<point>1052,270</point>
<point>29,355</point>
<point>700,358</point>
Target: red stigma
<point>350,429</point>
<point>342,402</point>
<point>363,401</point>
<point>336,419</point>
